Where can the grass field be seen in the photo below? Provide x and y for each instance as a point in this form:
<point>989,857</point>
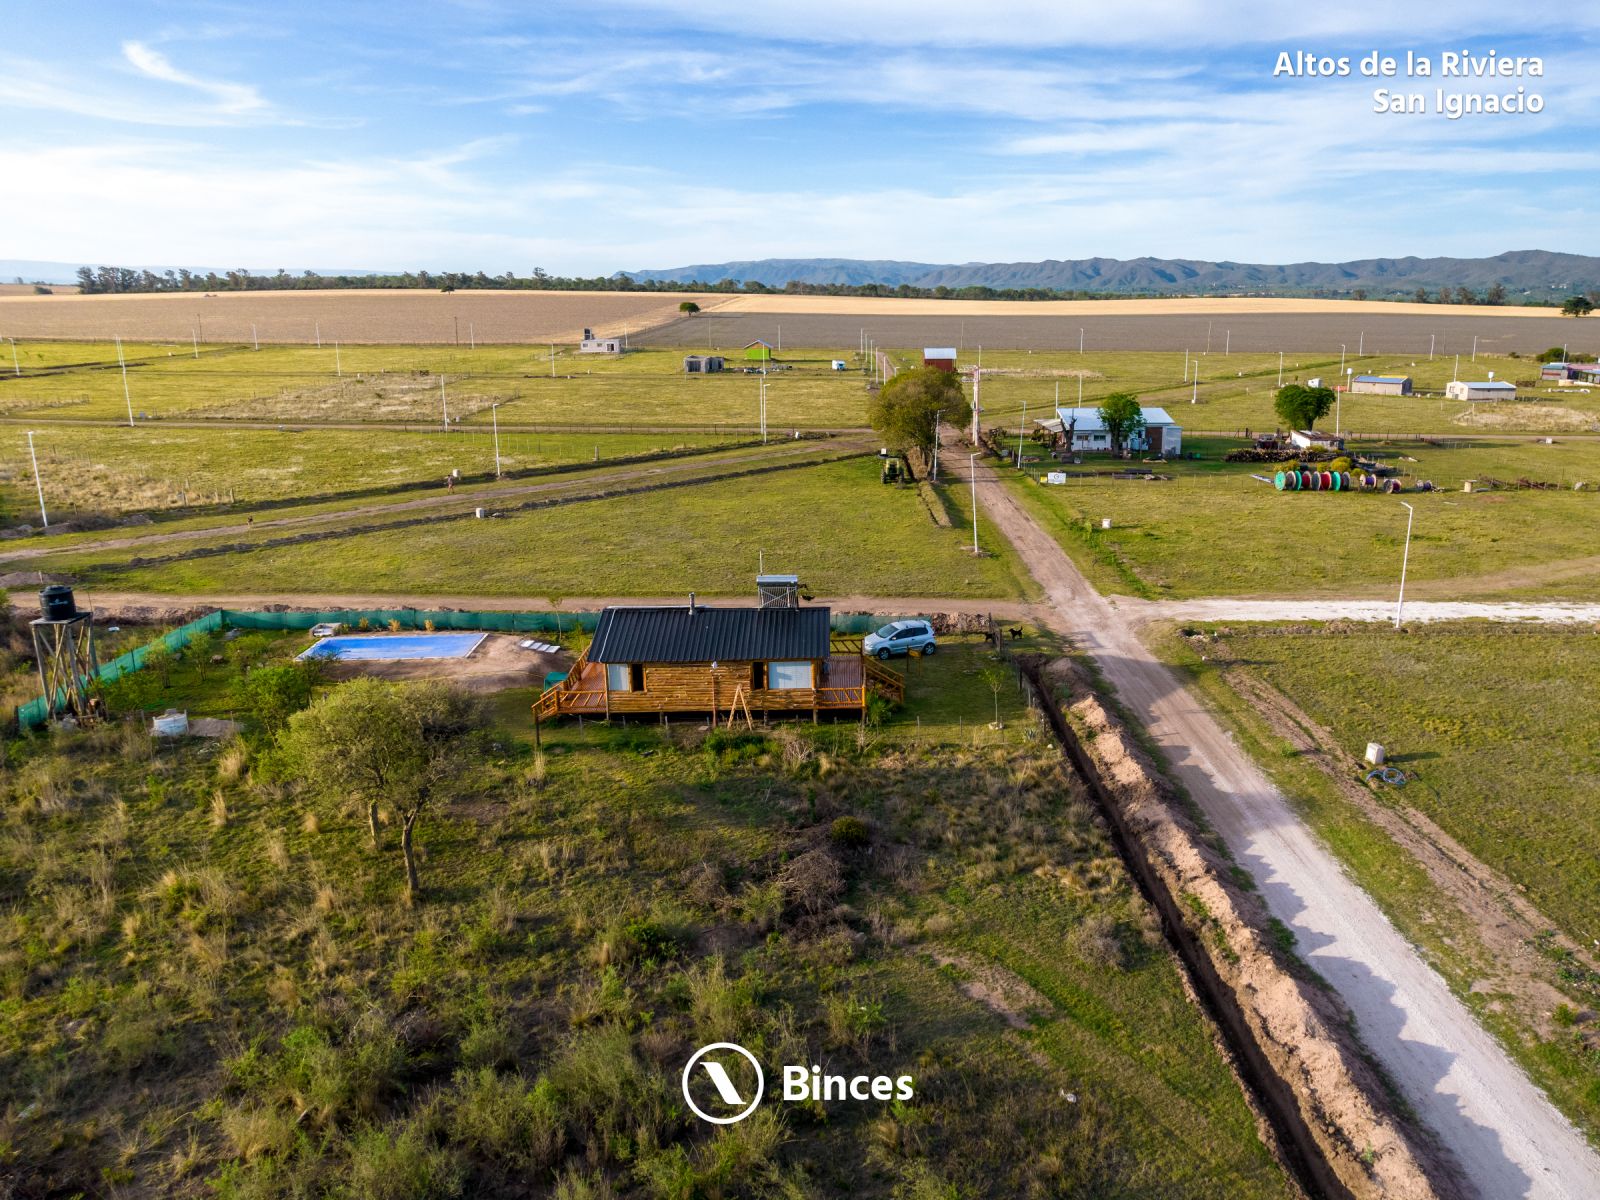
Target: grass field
<point>1236,391</point>
<point>835,524</point>
<point>210,987</point>
<point>150,467</point>
<point>1492,725</point>
<point>1214,530</point>
<point>401,384</point>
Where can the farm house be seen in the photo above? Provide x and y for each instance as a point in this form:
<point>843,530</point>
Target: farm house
<point>1081,430</point>
<point>779,656</point>
<point>599,345</point>
<point>1488,389</point>
<point>1382,385</point>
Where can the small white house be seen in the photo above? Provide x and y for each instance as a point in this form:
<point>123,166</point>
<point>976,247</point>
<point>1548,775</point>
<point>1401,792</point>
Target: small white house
<point>599,345</point>
<point>1488,389</point>
<point>1162,435</point>
<point>1310,439</point>
<point>1382,385</point>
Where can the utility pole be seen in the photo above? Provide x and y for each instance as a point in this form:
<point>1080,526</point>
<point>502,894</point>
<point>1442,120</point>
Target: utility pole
<point>1341,360</point>
<point>1474,347</point>
<point>494,415</point>
<point>1227,343</point>
<point>1080,339</point>
<point>194,340</point>
<point>972,461</point>
<point>1431,338</point>
<point>1280,368</point>
<point>443,403</point>
<point>37,482</point>
<point>317,328</point>
<point>1361,344</point>
<point>552,362</point>
<point>1021,430</point>
<point>255,339</point>
<point>16,364</point>
<point>126,395</point>
<point>1405,558</point>
<point>936,417</point>
<point>338,364</point>
<point>977,380</point>
<point>472,337</point>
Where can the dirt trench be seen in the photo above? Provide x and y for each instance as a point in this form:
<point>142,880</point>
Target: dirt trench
<point>1330,1116</point>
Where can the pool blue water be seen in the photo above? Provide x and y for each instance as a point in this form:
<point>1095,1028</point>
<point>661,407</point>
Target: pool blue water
<point>399,645</point>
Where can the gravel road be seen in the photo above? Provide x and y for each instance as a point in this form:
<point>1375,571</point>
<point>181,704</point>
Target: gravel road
<point>1227,609</point>
<point>1508,1138</point>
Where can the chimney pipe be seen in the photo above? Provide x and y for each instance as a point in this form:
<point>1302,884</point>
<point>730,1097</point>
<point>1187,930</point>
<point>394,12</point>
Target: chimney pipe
<point>692,609</point>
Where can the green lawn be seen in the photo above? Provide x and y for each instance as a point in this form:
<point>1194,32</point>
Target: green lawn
<point>1236,391</point>
<point>1495,729</point>
<point>150,467</point>
<point>835,524</point>
<point>210,987</point>
<point>643,389</point>
<point>1214,530</point>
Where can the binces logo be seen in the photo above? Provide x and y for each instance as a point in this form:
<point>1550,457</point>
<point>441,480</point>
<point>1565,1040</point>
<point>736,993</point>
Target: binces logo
<point>722,1063</point>
<point>723,1083</point>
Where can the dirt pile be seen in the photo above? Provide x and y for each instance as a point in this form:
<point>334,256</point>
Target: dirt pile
<point>1294,1034</point>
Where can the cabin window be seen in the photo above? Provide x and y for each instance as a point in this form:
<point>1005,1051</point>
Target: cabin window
<point>781,675</point>
<point>619,677</point>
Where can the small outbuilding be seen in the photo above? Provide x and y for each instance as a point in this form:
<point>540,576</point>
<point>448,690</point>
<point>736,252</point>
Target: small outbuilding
<point>941,358</point>
<point>1382,385</point>
<point>758,351</point>
<point>1310,439</point>
<point>599,345</point>
<point>1486,389</point>
<point>702,364</point>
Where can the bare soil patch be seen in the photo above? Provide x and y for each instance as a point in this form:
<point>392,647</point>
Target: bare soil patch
<point>1540,417</point>
<point>378,317</point>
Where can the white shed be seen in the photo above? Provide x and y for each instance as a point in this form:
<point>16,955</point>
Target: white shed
<point>1488,389</point>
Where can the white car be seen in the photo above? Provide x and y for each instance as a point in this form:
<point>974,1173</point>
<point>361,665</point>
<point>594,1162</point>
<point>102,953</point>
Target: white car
<point>326,629</point>
<point>900,637</point>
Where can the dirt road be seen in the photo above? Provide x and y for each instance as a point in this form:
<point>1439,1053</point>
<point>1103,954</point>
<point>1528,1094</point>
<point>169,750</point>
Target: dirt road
<point>1227,609</point>
<point>1506,1135</point>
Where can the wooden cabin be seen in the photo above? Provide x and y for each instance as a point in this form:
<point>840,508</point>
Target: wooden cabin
<point>723,661</point>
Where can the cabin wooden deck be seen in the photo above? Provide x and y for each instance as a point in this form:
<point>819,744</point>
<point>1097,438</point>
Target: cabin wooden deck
<point>849,678</point>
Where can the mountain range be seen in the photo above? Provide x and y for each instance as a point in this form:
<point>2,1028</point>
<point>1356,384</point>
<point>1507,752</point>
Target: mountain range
<point>1535,273</point>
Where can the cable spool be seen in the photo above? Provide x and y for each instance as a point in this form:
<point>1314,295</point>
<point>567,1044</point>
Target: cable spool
<point>1278,480</point>
<point>1326,483</point>
<point>1392,487</point>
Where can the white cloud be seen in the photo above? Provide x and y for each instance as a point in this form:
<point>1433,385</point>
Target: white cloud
<point>231,99</point>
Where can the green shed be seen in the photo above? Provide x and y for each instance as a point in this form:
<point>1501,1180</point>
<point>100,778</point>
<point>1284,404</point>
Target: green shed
<point>758,351</point>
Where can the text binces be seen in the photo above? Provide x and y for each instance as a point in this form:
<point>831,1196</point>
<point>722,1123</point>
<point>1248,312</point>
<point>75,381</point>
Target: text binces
<point>802,1084</point>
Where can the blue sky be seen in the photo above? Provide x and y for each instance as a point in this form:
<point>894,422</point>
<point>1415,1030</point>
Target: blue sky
<point>587,138</point>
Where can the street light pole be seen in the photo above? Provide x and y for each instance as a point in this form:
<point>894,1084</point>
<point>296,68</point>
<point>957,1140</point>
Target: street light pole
<point>1022,429</point>
<point>1405,558</point>
<point>936,417</point>
<point>1474,347</point>
<point>494,415</point>
<point>972,461</point>
<point>1431,339</point>
<point>37,482</point>
<point>16,366</point>
<point>1341,358</point>
<point>443,403</point>
<point>126,395</point>
<point>1280,368</point>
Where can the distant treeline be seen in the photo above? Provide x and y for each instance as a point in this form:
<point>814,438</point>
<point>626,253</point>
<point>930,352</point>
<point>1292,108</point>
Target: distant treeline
<point>112,280</point>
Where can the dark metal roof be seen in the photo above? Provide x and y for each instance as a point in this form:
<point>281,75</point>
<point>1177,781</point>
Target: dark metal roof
<point>679,634</point>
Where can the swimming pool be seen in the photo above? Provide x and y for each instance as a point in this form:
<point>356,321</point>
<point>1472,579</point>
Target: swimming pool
<point>389,646</point>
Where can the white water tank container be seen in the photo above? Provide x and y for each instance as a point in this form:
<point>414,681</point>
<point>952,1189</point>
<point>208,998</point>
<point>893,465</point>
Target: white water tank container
<point>171,723</point>
<point>478,512</point>
<point>1375,754</point>
<point>1105,522</point>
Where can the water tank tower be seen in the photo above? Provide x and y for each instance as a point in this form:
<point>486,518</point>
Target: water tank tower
<point>63,645</point>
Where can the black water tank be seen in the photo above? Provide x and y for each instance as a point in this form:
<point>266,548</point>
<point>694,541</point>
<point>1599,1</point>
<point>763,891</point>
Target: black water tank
<point>56,603</point>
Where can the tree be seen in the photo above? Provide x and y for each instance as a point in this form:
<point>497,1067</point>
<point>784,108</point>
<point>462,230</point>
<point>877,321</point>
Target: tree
<point>1496,294</point>
<point>1123,418</point>
<point>905,408</point>
<point>1302,407</point>
<point>374,741</point>
<point>689,306</point>
<point>275,693</point>
<point>1577,306</point>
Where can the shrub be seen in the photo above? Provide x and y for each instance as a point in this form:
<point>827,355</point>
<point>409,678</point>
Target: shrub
<point>1098,942</point>
<point>274,694</point>
<point>403,1166</point>
<point>849,832</point>
<point>502,1118</point>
